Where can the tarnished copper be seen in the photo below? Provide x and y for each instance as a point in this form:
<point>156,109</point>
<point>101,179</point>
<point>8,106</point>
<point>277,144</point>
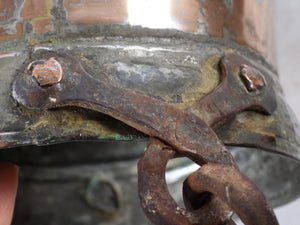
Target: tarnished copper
<point>47,72</point>
<point>169,61</point>
<point>7,8</point>
<point>98,95</point>
<point>149,115</point>
<point>243,21</point>
<point>6,35</point>
<point>184,132</point>
<point>92,12</point>
<point>38,13</point>
<point>246,22</point>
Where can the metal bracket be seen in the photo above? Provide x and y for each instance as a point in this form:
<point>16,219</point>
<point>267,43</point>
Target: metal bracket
<point>46,86</point>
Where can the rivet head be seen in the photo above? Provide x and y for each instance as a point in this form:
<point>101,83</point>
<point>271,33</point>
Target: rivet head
<point>252,78</point>
<point>47,72</point>
<point>102,195</point>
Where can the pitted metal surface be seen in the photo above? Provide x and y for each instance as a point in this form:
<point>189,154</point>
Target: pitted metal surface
<point>184,132</point>
<point>270,134</point>
<point>177,70</point>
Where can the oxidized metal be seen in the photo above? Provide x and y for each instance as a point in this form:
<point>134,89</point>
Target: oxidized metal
<point>231,96</point>
<point>151,116</point>
<point>46,73</point>
<point>141,112</point>
<point>156,201</point>
<point>246,22</point>
<point>274,133</point>
<point>238,191</point>
<point>172,76</point>
<point>183,131</point>
<point>224,182</point>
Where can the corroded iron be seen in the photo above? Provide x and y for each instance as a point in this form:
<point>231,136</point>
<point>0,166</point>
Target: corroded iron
<point>231,96</point>
<point>141,111</point>
<point>233,188</point>
<point>183,131</point>
<point>181,85</point>
<point>156,201</point>
<point>151,116</point>
<point>223,189</point>
<point>169,83</point>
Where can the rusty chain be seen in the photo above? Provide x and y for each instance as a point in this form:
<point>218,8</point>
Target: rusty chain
<point>213,192</point>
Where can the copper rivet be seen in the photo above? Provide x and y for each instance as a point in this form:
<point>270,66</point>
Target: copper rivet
<point>252,78</point>
<point>48,72</point>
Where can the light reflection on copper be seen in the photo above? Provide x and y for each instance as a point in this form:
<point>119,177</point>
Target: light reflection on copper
<point>151,14</point>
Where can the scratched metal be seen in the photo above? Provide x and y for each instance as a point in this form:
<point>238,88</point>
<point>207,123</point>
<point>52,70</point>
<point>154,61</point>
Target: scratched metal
<point>180,129</point>
<point>247,22</point>
<point>138,59</point>
<point>183,131</point>
<point>230,96</point>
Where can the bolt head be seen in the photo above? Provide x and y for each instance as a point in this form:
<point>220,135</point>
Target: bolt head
<point>102,195</point>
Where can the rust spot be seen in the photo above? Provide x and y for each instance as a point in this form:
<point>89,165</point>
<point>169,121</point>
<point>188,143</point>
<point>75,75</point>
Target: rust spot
<point>252,78</point>
<point>47,73</point>
<point>232,188</point>
<point>92,12</point>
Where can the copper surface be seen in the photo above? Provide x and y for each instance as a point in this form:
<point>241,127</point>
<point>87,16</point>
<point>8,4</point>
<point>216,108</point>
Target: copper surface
<point>7,9</point>
<point>47,73</point>
<point>185,14</point>
<point>33,9</point>
<point>4,34</point>
<point>37,12</point>
<point>247,22</point>
<point>92,12</point>
<point>244,22</point>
